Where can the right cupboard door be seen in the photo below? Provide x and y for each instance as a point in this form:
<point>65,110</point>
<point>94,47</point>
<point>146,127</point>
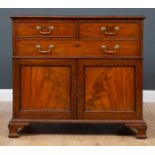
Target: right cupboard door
<point>109,89</point>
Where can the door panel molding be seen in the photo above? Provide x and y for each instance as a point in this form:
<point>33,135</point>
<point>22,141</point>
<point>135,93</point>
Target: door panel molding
<point>110,112</point>
<point>66,67</point>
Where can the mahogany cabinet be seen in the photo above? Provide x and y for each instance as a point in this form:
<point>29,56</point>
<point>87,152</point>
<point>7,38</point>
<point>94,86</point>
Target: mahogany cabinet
<point>77,70</point>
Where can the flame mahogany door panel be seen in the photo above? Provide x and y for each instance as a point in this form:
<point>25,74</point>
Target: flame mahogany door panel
<point>46,87</point>
<point>108,89</point>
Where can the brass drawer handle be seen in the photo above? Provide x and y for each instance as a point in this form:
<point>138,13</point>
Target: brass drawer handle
<point>42,51</point>
<point>40,29</point>
<point>115,48</point>
<point>104,30</point>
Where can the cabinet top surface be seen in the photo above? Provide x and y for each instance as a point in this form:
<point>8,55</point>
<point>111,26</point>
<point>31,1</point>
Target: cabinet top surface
<point>79,17</point>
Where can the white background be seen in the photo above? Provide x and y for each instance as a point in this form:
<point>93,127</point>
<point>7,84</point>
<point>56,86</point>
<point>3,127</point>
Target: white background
<point>76,4</point>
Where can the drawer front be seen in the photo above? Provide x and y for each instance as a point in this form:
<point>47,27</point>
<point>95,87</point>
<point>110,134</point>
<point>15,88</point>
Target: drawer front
<point>45,48</point>
<point>110,48</point>
<point>77,48</point>
<point>44,29</point>
<point>110,30</point>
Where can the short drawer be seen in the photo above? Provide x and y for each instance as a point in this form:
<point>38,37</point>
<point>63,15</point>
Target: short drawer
<point>110,30</point>
<point>45,47</point>
<point>45,29</point>
<point>77,48</point>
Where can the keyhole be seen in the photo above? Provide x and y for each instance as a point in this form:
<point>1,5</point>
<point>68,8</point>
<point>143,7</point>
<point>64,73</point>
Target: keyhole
<point>77,45</point>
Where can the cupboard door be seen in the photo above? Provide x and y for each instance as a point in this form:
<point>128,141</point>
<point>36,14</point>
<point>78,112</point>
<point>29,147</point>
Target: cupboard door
<point>109,89</point>
<point>46,87</point>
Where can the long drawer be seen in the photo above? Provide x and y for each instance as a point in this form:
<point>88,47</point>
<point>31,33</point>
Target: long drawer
<point>76,48</point>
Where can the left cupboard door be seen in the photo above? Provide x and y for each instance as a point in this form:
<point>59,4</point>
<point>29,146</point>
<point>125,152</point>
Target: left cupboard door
<point>44,88</point>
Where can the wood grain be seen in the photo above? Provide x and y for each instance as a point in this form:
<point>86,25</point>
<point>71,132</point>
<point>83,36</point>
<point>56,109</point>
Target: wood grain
<point>78,81</point>
<point>60,29</point>
<point>45,88</point>
<point>109,89</point>
<point>76,48</point>
<point>107,17</point>
<point>127,30</point>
